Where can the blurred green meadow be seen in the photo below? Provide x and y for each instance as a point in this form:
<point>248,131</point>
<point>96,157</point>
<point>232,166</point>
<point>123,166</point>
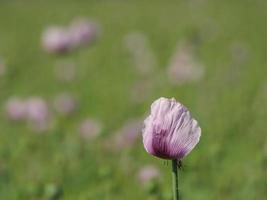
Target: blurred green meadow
<point>229,101</point>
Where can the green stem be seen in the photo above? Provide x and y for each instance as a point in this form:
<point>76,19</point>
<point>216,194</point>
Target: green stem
<point>175,180</point>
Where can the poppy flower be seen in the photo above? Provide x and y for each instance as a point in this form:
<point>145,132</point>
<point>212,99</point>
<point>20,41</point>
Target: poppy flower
<point>170,132</point>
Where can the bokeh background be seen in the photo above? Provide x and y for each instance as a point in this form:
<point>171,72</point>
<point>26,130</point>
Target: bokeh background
<point>71,118</point>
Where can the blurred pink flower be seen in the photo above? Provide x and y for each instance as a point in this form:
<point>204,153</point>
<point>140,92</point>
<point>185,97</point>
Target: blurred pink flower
<point>147,174</point>
<point>56,40</point>
<point>170,132</point>
<point>15,108</point>
<point>129,134</point>
<point>90,129</point>
<point>183,68</point>
<point>65,104</point>
<point>37,112</point>
<point>82,32</point>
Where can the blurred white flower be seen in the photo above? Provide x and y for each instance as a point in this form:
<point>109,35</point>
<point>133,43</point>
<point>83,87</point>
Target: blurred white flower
<point>183,68</point>
<point>90,129</point>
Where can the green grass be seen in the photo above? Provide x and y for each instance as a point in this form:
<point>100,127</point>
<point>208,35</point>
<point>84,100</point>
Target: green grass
<point>230,102</point>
